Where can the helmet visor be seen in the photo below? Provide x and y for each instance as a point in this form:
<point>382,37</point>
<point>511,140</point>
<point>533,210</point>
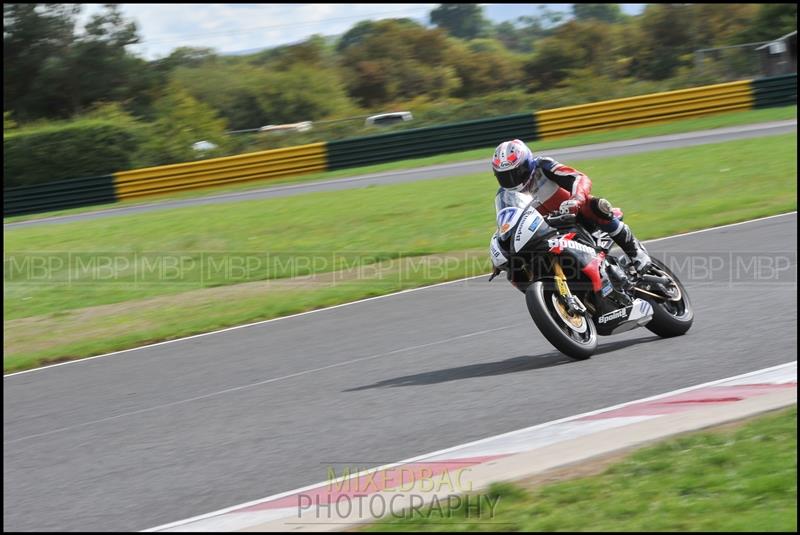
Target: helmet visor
<point>513,178</point>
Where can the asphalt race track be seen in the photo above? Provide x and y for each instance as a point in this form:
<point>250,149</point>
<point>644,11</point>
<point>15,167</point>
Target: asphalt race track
<point>573,154</point>
<point>145,437</point>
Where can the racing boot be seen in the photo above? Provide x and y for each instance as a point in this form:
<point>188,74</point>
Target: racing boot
<point>633,248</point>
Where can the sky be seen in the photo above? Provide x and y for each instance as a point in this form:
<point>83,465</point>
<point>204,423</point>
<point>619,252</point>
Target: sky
<point>231,28</point>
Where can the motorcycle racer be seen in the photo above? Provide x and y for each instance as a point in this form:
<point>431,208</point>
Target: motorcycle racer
<point>557,187</point>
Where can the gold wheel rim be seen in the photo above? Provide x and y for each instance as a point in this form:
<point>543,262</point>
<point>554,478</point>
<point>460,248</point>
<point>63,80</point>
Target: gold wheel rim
<point>576,323</point>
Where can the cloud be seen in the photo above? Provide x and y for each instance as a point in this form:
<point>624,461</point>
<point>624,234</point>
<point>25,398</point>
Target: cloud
<point>236,27</point>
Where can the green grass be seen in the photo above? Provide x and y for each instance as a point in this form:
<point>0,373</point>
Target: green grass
<point>674,127</point>
<point>662,193</point>
<point>742,479</point>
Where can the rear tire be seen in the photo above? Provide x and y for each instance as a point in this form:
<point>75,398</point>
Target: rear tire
<point>565,338</point>
<point>670,318</point>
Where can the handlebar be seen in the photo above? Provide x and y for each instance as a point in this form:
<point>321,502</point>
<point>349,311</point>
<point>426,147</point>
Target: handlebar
<point>556,219</point>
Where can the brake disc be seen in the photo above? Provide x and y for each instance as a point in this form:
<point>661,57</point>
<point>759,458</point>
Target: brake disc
<point>576,323</point>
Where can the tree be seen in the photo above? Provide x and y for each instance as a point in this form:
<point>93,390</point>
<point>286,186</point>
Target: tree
<point>182,121</point>
<point>590,46</point>
<point>365,29</point>
<point>52,72</point>
<point>302,93</point>
<point>723,24</point>
<point>550,18</point>
<point>773,21</point>
<point>596,41</point>
<point>552,62</point>
<point>111,29</point>
<point>184,56</point>
<point>398,61</point>
<point>507,33</point>
<point>313,52</point>
<point>355,35</point>
<point>460,20</point>
<point>483,66</point>
<point>522,35</point>
<point>604,12</point>
<point>667,36</point>
<point>233,90</point>
<point>101,67</point>
<point>33,35</point>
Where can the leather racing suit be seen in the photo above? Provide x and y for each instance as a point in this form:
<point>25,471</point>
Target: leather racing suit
<point>553,183</point>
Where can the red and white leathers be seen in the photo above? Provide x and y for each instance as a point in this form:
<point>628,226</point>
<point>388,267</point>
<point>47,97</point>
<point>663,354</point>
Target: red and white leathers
<point>552,184</point>
<point>558,187</point>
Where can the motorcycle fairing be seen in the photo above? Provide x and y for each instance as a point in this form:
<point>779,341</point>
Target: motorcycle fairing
<point>624,319</point>
<point>499,259</point>
<point>531,228</point>
<point>506,219</point>
<point>588,259</point>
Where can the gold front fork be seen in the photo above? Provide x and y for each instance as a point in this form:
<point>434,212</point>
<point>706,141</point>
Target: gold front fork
<point>573,304</point>
<point>561,280</point>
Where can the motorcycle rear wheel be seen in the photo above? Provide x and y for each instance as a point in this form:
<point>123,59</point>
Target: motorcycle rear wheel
<point>670,318</point>
<point>577,340</point>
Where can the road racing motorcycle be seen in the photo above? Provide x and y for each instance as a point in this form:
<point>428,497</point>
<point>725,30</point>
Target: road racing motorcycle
<point>578,284</point>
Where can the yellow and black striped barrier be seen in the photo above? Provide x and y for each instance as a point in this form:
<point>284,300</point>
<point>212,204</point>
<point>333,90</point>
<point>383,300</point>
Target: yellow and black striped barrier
<point>220,171</point>
<point>645,109</point>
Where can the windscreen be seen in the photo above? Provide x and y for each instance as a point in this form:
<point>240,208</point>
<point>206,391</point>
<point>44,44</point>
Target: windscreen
<point>507,198</point>
<point>510,206</point>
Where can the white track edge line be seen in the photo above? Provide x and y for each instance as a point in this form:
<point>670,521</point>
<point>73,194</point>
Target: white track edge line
<point>467,445</point>
<point>793,212</point>
<point>355,302</point>
<point>240,326</point>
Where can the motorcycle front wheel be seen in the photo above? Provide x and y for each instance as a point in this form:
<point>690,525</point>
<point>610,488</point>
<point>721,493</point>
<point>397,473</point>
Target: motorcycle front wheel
<point>575,336</point>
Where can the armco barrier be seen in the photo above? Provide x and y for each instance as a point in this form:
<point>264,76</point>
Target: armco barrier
<point>429,141</point>
<point>220,171</point>
<point>58,195</point>
<point>645,109</point>
<point>775,91</point>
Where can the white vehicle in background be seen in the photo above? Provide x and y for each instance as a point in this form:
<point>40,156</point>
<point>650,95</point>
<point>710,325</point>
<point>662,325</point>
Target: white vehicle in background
<point>202,146</point>
<point>388,119</point>
<point>303,126</point>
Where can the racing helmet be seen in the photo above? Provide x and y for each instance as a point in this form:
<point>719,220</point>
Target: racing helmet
<point>513,164</point>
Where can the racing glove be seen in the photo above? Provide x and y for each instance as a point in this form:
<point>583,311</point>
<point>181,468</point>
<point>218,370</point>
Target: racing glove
<point>570,206</point>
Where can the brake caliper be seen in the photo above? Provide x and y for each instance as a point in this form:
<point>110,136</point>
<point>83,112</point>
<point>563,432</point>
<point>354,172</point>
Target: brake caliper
<point>574,305</point>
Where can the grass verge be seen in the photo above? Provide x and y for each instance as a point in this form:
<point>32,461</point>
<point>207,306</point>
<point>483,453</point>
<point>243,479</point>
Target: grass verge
<point>621,134</point>
<point>729,479</point>
<point>111,284</point>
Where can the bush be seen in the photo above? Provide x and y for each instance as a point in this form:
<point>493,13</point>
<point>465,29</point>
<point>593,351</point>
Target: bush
<point>182,121</point>
<point>75,149</point>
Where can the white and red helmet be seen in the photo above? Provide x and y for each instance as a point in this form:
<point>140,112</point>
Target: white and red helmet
<point>513,164</point>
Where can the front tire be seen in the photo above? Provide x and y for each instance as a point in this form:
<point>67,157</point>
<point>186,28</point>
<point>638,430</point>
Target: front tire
<point>670,318</point>
<point>576,340</point>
